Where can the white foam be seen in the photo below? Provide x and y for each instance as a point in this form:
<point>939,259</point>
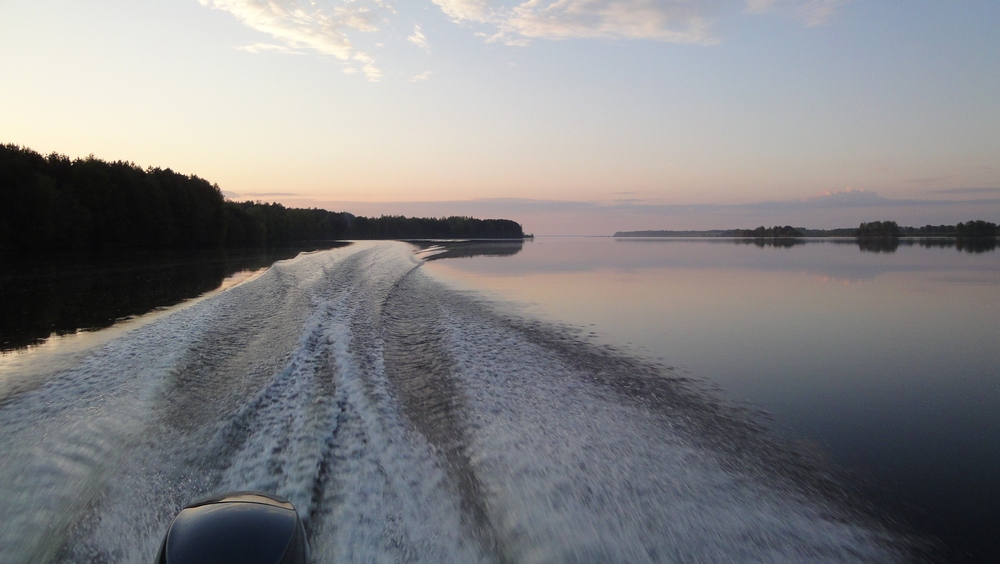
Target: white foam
<point>280,384</point>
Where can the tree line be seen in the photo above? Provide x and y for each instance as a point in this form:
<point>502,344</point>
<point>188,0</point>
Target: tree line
<point>776,232</point>
<point>867,230</point>
<point>875,230</point>
<point>54,203</point>
<point>962,230</point>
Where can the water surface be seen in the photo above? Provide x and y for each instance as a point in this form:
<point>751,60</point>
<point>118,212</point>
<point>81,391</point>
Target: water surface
<point>883,358</point>
<point>408,422</point>
<point>56,294</point>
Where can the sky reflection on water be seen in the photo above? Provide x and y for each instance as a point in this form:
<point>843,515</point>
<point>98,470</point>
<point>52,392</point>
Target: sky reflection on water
<point>886,361</point>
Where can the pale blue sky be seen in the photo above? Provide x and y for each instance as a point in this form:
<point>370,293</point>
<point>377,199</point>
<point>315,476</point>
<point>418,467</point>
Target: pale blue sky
<point>572,116</point>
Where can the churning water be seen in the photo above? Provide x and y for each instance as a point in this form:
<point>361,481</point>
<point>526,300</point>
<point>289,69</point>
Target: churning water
<point>407,421</point>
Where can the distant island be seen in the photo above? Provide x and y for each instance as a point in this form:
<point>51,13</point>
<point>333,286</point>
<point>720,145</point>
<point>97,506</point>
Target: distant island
<point>868,230</point>
<point>54,203</point>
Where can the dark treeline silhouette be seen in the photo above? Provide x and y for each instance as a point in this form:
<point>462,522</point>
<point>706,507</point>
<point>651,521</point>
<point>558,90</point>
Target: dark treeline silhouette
<point>973,236</point>
<point>879,229</point>
<point>884,236</point>
<point>839,232</point>
<point>977,228</point>
<point>399,227</point>
<point>874,229</point>
<point>776,232</point>
<point>928,231</point>
<point>53,203</point>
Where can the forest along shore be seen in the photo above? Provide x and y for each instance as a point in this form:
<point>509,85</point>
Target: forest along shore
<point>54,203</point>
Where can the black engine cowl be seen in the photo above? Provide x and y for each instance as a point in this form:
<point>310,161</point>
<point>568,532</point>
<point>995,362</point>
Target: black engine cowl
<point>247,527</point>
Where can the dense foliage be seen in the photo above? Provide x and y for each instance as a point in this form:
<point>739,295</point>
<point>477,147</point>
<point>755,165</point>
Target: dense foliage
<point>54,203</point>
<point>51,202</point>
<point>928,231</point>
<point>879,229</point>
<point>775,232</point>
<point>976,229</point>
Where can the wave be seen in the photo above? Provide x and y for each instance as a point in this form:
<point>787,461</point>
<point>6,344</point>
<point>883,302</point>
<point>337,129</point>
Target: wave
<point>407,421</point>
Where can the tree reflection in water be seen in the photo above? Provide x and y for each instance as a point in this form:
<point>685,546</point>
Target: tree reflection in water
<point>59,294</point>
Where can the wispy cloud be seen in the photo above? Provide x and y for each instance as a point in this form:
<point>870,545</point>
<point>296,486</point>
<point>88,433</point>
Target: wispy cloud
<point>418,38</point>
<point>313,25</point>
<point>264,47</point>
<point>676,21</point>
<point>327,26</point>
<point>810,12</point>
<point>466,10</point>
<point>848,197</point>
<point>421,77</point>
<point>665,20</point>
<point>368,67</point>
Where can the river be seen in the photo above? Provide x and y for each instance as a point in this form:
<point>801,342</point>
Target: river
<point>442,411</point>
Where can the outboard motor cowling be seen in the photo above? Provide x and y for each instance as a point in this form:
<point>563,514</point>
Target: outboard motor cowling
<point>246,527</point>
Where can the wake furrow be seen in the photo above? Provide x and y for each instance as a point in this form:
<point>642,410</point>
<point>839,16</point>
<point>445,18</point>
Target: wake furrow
<point>419,371</point>
<point>577,468</point>
<point>407,422</point>
<point>281,438</point>
<point>385,496</point>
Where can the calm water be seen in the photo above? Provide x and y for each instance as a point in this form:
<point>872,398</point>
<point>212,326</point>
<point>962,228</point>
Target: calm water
<point>885,360</point>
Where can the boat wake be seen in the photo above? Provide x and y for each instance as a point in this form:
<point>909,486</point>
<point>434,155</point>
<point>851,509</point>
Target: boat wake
<point>406,421</point>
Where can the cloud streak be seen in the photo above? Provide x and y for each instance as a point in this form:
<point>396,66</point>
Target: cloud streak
<point>368,66</point>
<point>418,38</point>
<point>318,26</point>
<point>326,26</point>
<point>270,47</point>
<point>674,21</point>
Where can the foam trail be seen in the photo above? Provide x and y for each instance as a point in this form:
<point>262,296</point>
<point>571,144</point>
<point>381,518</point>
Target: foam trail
<point>406,421</point>
<point>584,456</point>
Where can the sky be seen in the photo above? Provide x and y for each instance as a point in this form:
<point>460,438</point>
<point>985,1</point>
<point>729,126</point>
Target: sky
<point>574,117</point>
